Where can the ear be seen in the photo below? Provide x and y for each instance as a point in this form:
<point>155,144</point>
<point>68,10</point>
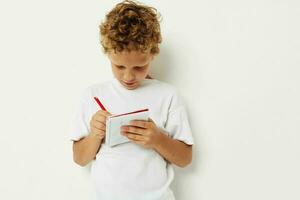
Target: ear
<point>152,56</point>
<point>148,77</point>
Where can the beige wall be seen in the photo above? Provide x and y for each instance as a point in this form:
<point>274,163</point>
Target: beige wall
<point>236,63</point>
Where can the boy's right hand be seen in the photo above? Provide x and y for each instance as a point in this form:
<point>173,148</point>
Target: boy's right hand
<point>98,123</point>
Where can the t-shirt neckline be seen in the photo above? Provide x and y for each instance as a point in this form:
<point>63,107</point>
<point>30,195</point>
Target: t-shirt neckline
<point>143,83</point>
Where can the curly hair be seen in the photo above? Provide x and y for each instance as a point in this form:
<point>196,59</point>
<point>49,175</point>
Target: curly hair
<point>131,26</point>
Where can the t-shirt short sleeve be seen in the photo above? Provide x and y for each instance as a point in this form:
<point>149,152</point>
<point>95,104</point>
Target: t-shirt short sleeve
<point>80,123</point>
<point>177,124</point>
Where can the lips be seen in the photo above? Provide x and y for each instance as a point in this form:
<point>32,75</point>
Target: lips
<point>129,84</point>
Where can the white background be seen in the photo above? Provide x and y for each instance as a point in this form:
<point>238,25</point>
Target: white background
<point>235,62</point>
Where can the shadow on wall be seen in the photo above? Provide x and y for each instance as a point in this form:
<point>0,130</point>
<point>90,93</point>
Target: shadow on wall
<point>163,68</point>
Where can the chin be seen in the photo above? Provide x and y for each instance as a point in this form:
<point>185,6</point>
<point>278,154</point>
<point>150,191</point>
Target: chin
<point>131,88</point>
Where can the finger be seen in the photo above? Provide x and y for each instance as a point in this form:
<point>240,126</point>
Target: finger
<point>99,125</point>
<point>98,131</point>
<point>139,123</point>
<point>140,142</point>
<point>133,129</point>
<point>97,122</point>
<point>103,113</point>
<point>150,120</point>
<point>100,118</point>
<point>134,137</point>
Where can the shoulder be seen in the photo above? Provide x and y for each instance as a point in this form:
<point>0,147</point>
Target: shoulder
<point>169,93</point>
<point>162,87</point>
<point>172,94</point>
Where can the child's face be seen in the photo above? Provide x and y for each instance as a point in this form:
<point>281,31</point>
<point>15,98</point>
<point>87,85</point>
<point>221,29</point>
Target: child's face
<point>130,67</point>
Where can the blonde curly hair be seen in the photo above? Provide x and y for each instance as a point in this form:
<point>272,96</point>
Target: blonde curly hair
<point>131,26</point>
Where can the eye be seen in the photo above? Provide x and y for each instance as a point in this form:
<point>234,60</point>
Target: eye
<point>139,68</point>
<point>120,66</point>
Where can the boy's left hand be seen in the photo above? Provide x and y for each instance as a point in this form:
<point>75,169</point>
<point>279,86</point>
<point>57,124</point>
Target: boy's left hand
<point>141,132</point>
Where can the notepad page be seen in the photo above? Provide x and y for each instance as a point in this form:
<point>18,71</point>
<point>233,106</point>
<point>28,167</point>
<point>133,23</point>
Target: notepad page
<point>113,127</point>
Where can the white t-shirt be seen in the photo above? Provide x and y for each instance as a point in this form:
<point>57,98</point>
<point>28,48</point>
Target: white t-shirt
<point>129,171</point>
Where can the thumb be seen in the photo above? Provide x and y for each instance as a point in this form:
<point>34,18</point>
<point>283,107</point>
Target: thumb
<point>107,113</point>
<point>150,120</point>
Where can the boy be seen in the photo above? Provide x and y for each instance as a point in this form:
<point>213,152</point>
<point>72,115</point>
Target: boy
<point>142,168</point>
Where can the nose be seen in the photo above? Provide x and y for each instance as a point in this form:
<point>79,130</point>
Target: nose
<point>128,76</point>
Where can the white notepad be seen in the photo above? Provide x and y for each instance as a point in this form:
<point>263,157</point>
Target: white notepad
<point>113,134</point>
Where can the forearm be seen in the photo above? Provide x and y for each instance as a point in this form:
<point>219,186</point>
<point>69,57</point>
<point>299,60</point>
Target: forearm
<point>86,149</point>
<point>174,151</point>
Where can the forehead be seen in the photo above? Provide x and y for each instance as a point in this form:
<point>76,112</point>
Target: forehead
<point>132,58</point>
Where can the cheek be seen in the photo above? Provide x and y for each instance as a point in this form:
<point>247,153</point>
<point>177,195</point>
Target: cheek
<point>142,74</point>
<point>117,72</point>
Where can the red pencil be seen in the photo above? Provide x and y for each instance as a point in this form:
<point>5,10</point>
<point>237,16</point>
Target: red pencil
<point>99,103</point>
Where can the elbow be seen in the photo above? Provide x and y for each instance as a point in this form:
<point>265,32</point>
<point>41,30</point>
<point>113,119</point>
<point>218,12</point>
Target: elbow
<point>187,160</point>
<point>79,155</point>
<point>185,163</point>
<point>80,162</point>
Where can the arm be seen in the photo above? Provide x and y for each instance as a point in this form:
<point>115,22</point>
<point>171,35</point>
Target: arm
<point>148,135</point>
<point>86,149</point>
<point>174,151</point>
